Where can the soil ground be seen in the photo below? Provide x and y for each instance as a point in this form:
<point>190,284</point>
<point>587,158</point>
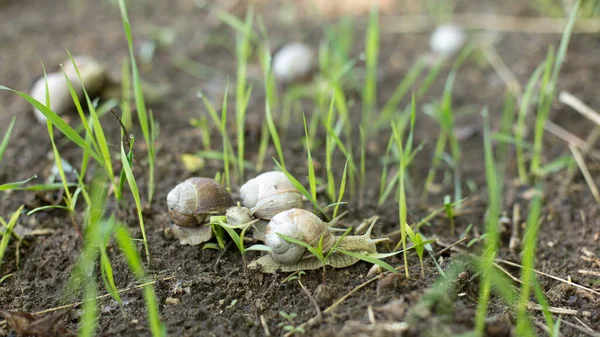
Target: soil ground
<point>196,294</point>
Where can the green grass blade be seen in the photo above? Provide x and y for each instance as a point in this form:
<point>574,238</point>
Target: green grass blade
<point>527,261</point>
<point>316,251</point>
<point>135,264</point>
<point>139,100</point>
<point>18,184</point>
<point>7,234</point>
<point>243,53</point>
<point>491,224</point>
<point>225,140</point>
<point>311,168</point>
<point>59,124</point>
<point>407,82</point>
<point>136,197</point>
<point>6,138</point>
<point>369,95</point>
<point>98,132</point>
<point>299,186</point>
<point>342,188</point>
<point>521,119</point>
<point>274,134</point>
<point>368,259</point>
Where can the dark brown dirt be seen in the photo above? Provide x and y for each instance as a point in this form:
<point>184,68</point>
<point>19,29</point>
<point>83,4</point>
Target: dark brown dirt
<point>196,296</point>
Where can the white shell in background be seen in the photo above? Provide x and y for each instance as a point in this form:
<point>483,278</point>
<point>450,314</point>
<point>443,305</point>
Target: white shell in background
<point>92,74</point>
<point>447,39</point>
<point>269,194</point>
<point>301,225</point>
<point>293,62</point>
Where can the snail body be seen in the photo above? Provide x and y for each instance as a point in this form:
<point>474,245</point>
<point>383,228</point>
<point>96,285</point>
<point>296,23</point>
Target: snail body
<point>304,225</point>
<point>93,78</point>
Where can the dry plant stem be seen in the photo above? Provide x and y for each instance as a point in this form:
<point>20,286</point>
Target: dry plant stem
<point>551,276</point>
<point>570,138</point>
<point>503,71</point>
<point>559,311</point>
<point>586,173</point>
<point>515,240</point>
<point>585,329</point>
<point>450,246</point>
<point>490,22</point>
<point>139,286</point>
<point>579,106</point>
<point>312,300</point>
<point>265,326</point>
<point>544,327</point>
<point>586,326</point>
<point>589,272</point>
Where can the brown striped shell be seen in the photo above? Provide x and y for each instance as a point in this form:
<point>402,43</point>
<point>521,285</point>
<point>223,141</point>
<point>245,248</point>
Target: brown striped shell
<point>192,201</point>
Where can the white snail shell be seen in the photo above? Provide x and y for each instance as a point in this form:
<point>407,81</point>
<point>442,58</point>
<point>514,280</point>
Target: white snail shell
<point>447,39</point>
<point>93,77</point>
<point>301,225</point>
<point>269,194</point>
<point>293,62</point>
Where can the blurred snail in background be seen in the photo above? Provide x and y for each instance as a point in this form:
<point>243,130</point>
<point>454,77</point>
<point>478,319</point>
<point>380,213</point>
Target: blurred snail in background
<point>447,39</point>
<point>294,62</point>
<point>93,77</point>
<point>192,203</point>
<point>305,226</point>
<point>268,194</point>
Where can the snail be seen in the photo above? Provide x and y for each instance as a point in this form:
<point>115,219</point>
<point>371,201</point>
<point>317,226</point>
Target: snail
<point>267,195</point>
<point>447,39</point>
<point>294,62</point>
<point>192,203</point>
<point>93,77</point>
<point>305,226</point>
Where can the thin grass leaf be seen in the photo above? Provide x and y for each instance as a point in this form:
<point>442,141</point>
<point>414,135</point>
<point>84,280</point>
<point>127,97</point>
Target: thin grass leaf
<point>311,168</point>
<point>139,100</point>
<point>342,189</point>
<point>299,186</point>
<point>135,264</point>
<point>17,184</point>
<point>9,228</point>
<point>369,94</point>
<point>136,197</point>
<point>392,104</point>
<point>59,124</point>
<point>368,259</point>
<point>6,138</point>
<point>316,251</point>
<point>527,261</point>
<point>491,221</point>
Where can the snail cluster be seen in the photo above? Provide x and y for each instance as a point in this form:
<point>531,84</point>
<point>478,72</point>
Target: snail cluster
<point>93,77</point>
<point>275,205</point>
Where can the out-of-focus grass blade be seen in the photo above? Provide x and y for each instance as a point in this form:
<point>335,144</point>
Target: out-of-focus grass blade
<point>6,137</point>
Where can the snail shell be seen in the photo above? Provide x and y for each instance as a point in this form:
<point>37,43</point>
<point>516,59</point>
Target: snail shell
<point>447,39</point>
<point>193,200</point>
<point>269,194</point>
<point>301,225</point>
<point>93,77</point>
<point>294,62</point>
<point>362,244</point>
